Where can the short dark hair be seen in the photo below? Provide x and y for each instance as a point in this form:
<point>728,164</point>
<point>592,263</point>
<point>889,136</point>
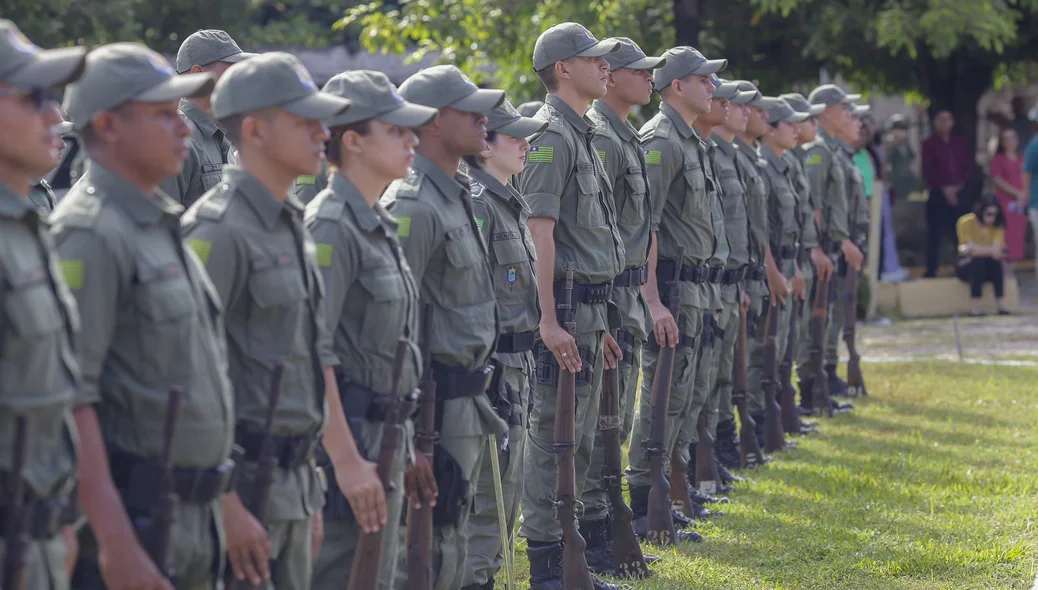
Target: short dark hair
<point>333,147</point>
<point>231,127</point>
<point>88,136</point>
<point>987,203</point>
<point>547,76</point>
<point>1001,148</point>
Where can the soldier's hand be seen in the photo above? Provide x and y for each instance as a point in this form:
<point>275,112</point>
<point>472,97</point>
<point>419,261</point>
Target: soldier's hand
<point>799,286</point>
<point>125,566</point>
<point>823,265</point>
<point>562,345</point>
<point>665,327</point>
<point>71,548</point>
<point>612,352</point>
<point>360,483</point>
<point>317,537</point>
<point>853,255</point>
<point>248,548</point>
<point>778,286</point>
<point>420,483</point>
<point>745,302</point>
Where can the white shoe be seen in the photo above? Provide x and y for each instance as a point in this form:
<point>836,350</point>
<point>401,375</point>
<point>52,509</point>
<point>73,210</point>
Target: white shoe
<point>898,276</point>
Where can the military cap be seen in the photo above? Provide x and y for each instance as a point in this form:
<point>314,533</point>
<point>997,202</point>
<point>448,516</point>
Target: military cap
<point>530,108</point>
<point>507,120</point>
<point>779,110</point>
<point>373,96</point>
<point>860,109</point>
<point>209,46</point>
<point>567,40</point>
<point>122,72</point>
<point>750,87</point>
<point>26,66</point>
<point>63,128</point>
<point>631,56</point>
<point>273,79</point>
<point>683,61</point>
<point>802,105</point>
<point>830,94</point>
<point>446,86</point>
<point>898,121</point>
<point>728,89</point>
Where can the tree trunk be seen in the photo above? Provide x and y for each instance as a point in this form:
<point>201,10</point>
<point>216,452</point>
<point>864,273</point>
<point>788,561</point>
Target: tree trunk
<point>686,22</point>
<point>956,84</point>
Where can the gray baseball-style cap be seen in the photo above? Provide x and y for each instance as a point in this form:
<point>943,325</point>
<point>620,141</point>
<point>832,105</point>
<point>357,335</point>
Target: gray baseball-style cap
<point>446,86</point>
<point>898,121</point>
<point>830,94</point>
<point>530,108</point>
<point>750,88</point>
<point>727,89</point>
<point>860,109</point>
<point>273,79</point>
<point>683,61</point>
<point>209,46</point>
<point>802,105</point>
<point>507,120</point>
<point>26,66</point>
<point>567,40</point>
<point>123,72</point>
<point>631,56</point>
<point>373,96</point>
<point>779,110</point>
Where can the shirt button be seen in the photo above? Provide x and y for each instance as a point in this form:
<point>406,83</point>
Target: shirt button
<point>90,190</point>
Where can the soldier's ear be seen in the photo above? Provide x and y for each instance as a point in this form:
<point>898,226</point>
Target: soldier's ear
<point>610,81</point>
<point>562,70</point>
<point>103,126</point>
<point>196,69</point>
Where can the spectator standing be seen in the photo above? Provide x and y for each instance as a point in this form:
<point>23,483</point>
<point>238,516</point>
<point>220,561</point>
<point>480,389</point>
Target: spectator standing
<point>947,167</point>
<point>1007,171</point>
<point>981,247</point>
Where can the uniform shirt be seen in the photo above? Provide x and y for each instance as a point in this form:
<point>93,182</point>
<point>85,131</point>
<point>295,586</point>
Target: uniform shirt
<point>371,297</point>
<point>805,206</point>
<point>564,180</point>
<point>683,195</point>
<point>751,170</point>
<point>151,321</point>
<point>736,216</point>
<point>307,187</point>
<point>783,225</point>
<point>42,197</point>
<point>39,375</point>
<point>203,168</point>
<point>501,215</point>
<point>857,204</point>
<point>828,180</point>
<point>616,142</point>
<point>439,236</point>
<point>723,249</point>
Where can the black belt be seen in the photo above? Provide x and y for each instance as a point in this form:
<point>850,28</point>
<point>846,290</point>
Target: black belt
<point>787,252</point>
<point>290,451</point>
<point>456,382</point>
<point>625,337</point>
<point>363,403</point>
<point>734,276</point>
<point>586,292</point>
<point>684,341</point>
<point>632,277</point>
<point>46,517</point>
<point>138,478</point>
<point>831,247</point>
<point>756,273</point>
<point>689,273</point>
<point>513,342</point>
<point>715,275</point>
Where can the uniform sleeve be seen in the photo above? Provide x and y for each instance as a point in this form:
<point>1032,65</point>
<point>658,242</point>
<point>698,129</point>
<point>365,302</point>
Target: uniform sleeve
<point>418,229</point>
<point>815,168</point>
<point>224,260</point>
<point>91,271</point>
<point>542,182</point>
<point>339,266</point>
<point>662,162</point>
<point>484,219</point>
<point>612,159</point>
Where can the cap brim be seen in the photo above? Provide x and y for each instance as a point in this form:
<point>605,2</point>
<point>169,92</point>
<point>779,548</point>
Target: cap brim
<point>743,97</point>
<point>480,101</point>
<point>317,106</point>
<point>63,128</point>
<point>177,87</point>
<point>862,109</point>
<point>52,67</point>
<point>816,109</point>
<point>710,66</point>
<point>851,98</point>
<point>646,63</point>
<point>237,57</point>
<point>726,91</point>
<point>409,115</point>
<point>797,117</point>
<point>600,49</point>
<point>522,127</point>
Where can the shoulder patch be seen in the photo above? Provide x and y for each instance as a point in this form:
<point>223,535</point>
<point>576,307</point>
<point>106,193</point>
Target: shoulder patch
<point>541,154</point>
<point>479,223</point>
<point>403,227</point>
<point>324,254</point>
<point>813,160</point>
<point>653,157</point>
<point>308,179</point>
<point>202,249</point>
<point>72,271</point>
<point>476,189</point>
<point>602,156</point>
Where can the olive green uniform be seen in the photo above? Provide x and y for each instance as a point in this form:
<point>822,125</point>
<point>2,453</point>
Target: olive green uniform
<point>565,181</point>
<point>203,168</point>
<point>39,378</point>
<point>616,142</point>
<point>683,199</point>
<point>857,218</point>
<point>371,300</point>
<point>441,240</point>
<point>154,323</point>
<point>263,264</point>
<point>501,215</point>
<point>800,324</point>
<point>307,187</point>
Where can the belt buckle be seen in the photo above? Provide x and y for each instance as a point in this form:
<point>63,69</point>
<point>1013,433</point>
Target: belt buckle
<point>715,273</point>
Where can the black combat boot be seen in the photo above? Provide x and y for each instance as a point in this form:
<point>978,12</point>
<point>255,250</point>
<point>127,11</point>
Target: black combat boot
<point>837,386</point>
<point>807,391</point>
<point>488,586</point>
<point>727,477</point>
<point>546,569</point>
<point>726,448</point>
<point>599,549</point>
<point>759,429</point>
<point>639,501</point>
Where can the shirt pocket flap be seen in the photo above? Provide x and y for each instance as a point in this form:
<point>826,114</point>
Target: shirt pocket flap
<point>164,293</point>
<point>636,183</point>
<point>383,287</point>
<point>510,251</point>
<point>586,181</point>
<point>32,309</point>
<point>276,281</point>
<point>461,247</point>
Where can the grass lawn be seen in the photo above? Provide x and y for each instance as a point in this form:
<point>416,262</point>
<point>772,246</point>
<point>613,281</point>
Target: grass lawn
<point>930,484</point>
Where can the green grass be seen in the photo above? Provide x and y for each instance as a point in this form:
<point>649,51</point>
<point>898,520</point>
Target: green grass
<point>930,484</point>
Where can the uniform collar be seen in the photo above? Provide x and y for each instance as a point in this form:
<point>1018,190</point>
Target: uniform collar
<point>199,118</point>
<point>777,161</point>
<point>447,184</point>
<point>13,206</point>
<point>144,209</point>
<point>261,200</point>
<point>679,123</point>
<point>742,145</point>
<point>368,218</point>
<point>499,189</point>
<point>727,147</point>
<point>580,122</point>
<point>622,127</point>
<point>846,147</point>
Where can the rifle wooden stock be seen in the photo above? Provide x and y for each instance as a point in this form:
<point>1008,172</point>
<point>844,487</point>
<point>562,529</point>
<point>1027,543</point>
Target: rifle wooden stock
<point>159,536</point>
<point>706,469</point>
<point>681,500</point>
<point>628,560</point>
<point>367,560</point>
<point>16,535</point>
<point>855,381</point>
<point>660,523</point>
<point>787,396</point>
<point>420,521</point>
<point>749,449</point>
<point>575,573</point>
<point>774,440</point>
<point>819,313</point>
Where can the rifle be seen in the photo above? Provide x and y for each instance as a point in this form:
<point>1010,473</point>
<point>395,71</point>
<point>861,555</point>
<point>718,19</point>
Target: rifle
<point>660,526</point>
<point>575,572</point>
<point>855,381</point>
<point>820,395</point>
<point>774,440</point>
<point>420,520</point>
<point>749,449</point>
<point>368,558</point>
<point>627,553</point>
<point>16,535</point>
<point>681,499</point>
<point>706,469</point>
<point>787,398</point>
<point>159,535</point>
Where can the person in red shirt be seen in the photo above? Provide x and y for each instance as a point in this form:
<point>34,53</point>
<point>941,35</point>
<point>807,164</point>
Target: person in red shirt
<point>947,167</point>
<point>1007,177</point>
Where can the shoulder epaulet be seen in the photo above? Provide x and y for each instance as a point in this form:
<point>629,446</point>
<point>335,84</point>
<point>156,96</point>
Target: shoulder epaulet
<point>761,162</point>
<point>476,189</point>
<point>409,186</point>
<point>327,207</point>
<point>79,208</point>
<point>656,127</point>
<point>214,203</point>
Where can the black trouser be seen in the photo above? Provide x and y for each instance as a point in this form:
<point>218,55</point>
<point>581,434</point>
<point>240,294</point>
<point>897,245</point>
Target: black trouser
<point>940,219</point>
<point>985,270</point>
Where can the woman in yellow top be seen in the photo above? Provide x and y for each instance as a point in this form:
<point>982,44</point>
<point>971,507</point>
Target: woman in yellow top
<point>981,248</point>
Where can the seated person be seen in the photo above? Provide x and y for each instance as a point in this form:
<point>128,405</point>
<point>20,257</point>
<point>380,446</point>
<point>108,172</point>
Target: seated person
<point>981,249</point>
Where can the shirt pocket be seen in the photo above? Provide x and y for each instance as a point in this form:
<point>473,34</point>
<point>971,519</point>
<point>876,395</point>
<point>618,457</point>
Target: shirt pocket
<point>278,297</point>
<point>512,271</point>
<point>589,205</point>
<point>465,274</point>
<point>695,191</point>
<point>385,309</point>
<point>165,302</point>
<point>633,210</point>
<point>211,175</point>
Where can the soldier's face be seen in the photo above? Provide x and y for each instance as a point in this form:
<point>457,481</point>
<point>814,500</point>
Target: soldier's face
<point>509,153</point>
<point>808,130</point>
<point>720,110</point>
<point>388,149</point>
<point>738,116</point>
<point>757,122</point>
<point>633,87</point>
<point>590,75</point>
<point>292,142</point>
<point>698,92</point>
<point>28,146</point>
<point>150,136</point>
<point>786,135</point>
<point>465,133</point>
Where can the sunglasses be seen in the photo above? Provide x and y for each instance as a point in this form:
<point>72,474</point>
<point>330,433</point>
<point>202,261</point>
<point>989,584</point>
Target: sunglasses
<point>991,214</point>
<point>41,98</point>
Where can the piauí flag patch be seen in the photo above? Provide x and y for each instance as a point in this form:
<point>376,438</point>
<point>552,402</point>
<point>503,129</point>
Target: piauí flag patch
<point>512,275</point>
<point>653,156</point>
<point>541,154</point>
